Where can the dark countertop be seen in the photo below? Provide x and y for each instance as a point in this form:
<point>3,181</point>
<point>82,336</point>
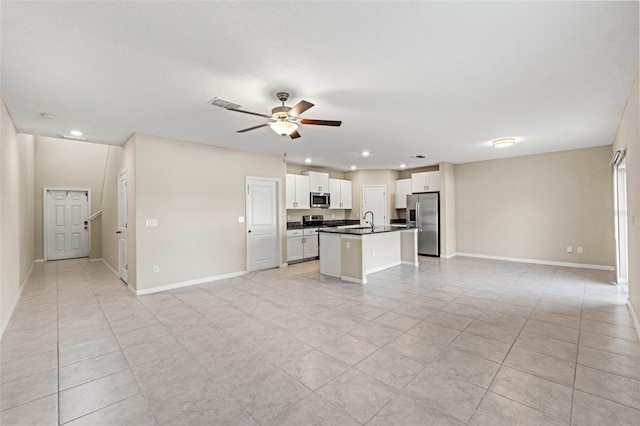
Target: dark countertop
<point>366,231</point>
<point>326,223</point>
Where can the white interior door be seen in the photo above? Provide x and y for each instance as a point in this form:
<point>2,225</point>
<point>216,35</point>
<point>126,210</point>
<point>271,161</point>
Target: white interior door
<point>67,229</point>
<point>375,200</point>
<point>263,231</point>
<point>122,226</point>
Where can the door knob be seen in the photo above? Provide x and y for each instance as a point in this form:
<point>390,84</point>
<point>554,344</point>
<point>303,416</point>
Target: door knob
<point>118,232</point>
<point>249,230</point>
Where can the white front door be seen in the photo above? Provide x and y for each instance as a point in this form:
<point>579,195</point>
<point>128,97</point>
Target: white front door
<point>122,226</point>
<point>375,200</point>
<point>67,229</point>
<point>262,224</point>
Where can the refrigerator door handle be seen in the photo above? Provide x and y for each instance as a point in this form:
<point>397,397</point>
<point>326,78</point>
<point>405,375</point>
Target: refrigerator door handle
<point>418,219</point>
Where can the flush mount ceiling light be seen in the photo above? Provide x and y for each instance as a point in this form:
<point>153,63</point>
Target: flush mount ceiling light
<point>283,127</point>
<point>503,142</point>
<point>307,160</point>
<point>365,153</point>
<point>402,166</point>
<point>353,167</point>
<point>74,138</point>
<point>76,132</point>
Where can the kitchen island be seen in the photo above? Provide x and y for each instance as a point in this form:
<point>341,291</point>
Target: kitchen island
<point>352,253</point>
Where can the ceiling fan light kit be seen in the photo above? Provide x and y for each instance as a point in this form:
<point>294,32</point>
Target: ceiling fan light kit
<point>284,127</point>
<point>283,120</point>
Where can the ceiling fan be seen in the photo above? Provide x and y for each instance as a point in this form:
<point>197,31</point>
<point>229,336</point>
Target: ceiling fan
<point>283,120</point>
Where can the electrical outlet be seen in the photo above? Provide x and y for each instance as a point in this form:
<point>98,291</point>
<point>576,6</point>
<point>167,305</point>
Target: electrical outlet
<point>569,249</point>
<point>580,250</point>
<point>373,254</point>
<point>156,269</point>
<point>348,246</point>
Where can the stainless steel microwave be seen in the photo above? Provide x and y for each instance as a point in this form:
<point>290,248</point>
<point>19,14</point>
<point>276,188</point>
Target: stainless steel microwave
<point>320,200</point>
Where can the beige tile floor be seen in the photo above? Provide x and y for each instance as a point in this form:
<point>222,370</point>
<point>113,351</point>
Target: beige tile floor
<point>457,341</point>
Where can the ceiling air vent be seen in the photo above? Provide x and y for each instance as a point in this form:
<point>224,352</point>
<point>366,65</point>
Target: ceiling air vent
<point>418,156</point>
<point>223,104</point>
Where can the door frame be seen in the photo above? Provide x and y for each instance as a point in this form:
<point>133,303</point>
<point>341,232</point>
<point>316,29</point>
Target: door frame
<point>279,216</point>
<point>45,214</point>
<point>621,278</point>
<point>386,206</point>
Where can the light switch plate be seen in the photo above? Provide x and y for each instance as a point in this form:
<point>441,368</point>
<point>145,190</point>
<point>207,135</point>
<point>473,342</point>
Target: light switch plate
<point>151,223</point>
<point>241,219</point>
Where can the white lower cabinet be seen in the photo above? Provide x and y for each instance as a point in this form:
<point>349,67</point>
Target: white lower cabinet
<point>302,244</point>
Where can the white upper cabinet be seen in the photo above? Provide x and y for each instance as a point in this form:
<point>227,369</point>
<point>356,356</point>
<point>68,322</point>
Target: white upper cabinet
<point>297,191</point>
<point>340,191</point>
<point>318,182</point>
<point>403,188</point>
<point>425,182</point>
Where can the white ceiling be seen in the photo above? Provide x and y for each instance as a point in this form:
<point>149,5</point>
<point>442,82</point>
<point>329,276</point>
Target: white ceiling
<point>436,78</point>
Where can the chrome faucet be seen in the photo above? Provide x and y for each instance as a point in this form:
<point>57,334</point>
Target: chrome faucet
<point>365,217</point>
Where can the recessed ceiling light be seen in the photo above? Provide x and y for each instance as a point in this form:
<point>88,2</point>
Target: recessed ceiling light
<point>307,160</point>
<point>365,153</point>
<point>503,143</point>
<point>353,167</point>
<point>402,166</point>
<point>76,132</point>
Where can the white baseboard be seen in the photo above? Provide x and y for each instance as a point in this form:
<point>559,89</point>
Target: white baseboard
<point>448,256</point>
<point>635,317</point>
<point>382,268</point>
<point>353,280</point>
<point>39,260</point>
<point>406,262</point>
<point>16,299</point>
<point>96,259</point>
<point>538,261</point>
<point>188,283</point>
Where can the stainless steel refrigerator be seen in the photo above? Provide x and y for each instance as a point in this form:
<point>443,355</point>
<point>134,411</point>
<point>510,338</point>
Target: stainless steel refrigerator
<point>423,211</point>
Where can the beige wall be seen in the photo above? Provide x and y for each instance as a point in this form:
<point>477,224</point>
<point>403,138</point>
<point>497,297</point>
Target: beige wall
<point>447,210</point>
<point>406,174</point>
<point>61,163</point>
<point>628,137</point>
<point>197,192</point>
<point>296,169</point>
<point>372,177</point>
<point>16,212</point>
<point>533,207</point>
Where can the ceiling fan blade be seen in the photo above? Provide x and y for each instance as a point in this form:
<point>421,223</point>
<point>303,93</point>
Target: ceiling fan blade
<point>252,128</point>
<point>249,112</point>
<point>294,135</point>
<point>300,107</point>
<point>320,122</point>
